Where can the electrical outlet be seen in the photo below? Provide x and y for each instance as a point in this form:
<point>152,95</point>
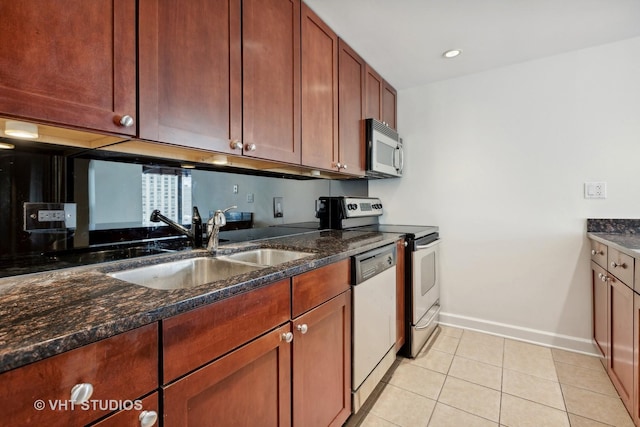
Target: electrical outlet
<point>249,197</point>
<point>595,190</point>
<point>235,188</point>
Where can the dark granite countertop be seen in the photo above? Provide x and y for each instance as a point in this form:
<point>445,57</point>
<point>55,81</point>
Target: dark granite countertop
<point>620,234</point>
<point>45,314</point>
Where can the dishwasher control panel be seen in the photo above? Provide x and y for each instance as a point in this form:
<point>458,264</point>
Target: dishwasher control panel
<point>372,263</point>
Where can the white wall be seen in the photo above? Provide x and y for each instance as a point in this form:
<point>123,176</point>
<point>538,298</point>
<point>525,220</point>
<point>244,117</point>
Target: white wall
<point>498,160</point>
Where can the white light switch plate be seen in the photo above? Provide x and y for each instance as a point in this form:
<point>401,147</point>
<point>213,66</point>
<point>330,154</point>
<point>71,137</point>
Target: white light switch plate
<point>595,190</point>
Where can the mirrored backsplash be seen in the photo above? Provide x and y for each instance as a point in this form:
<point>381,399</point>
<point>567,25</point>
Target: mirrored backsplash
<point>113,200</point>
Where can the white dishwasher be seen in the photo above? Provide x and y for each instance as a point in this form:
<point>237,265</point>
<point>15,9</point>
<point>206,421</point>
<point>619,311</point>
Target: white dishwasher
<point>374,320</point>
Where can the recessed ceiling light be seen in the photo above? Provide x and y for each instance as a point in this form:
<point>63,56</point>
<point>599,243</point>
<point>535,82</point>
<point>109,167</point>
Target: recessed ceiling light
<point>187,166</point>
<point>6,146</point>
<point>21,129</point>
<point>452,53</point>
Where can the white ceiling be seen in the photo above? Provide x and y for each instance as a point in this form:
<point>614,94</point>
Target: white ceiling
<point>404,39</point>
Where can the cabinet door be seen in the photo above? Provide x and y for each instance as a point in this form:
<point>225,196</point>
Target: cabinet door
<point>70,62</point>
<point>401,322</point>
<point>600,301</point>
<point>373,92</point>
<point>319,92</point>
<point>636,359</point>
<point>351,97</point>
<point>248,387</point>
<point>389,105</point>
<point>322,364</point>
<point>621,336</point>
<point>271,79</point>
<point>190,72</point>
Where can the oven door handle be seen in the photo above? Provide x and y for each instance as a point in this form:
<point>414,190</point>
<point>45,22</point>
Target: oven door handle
<point>430,245</point>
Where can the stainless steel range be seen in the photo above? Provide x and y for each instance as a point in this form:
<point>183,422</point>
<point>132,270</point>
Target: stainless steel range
<point>422,276</point>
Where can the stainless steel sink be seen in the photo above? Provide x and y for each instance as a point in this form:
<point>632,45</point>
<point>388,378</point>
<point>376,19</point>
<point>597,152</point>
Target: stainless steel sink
<point>185,273</point>
<point>267,257</point>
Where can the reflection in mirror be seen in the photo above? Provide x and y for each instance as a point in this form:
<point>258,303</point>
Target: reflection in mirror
<point>114,197</point>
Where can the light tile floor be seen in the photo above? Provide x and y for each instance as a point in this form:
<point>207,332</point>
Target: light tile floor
<point>469,379</point>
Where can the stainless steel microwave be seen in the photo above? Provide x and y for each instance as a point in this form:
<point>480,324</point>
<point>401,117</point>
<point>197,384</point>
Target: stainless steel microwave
<point>385,157</point>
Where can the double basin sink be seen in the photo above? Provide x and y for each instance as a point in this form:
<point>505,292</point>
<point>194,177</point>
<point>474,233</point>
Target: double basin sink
<point>192,272</point>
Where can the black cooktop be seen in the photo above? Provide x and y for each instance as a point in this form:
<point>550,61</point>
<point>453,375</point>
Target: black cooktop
<point>411,231</point>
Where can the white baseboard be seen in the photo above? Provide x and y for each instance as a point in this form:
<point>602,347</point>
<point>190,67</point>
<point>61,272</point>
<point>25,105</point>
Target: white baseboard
<point>533,336</point>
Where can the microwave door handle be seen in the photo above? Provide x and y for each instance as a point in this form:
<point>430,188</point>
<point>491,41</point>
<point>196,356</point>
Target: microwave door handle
<point>401,156</point>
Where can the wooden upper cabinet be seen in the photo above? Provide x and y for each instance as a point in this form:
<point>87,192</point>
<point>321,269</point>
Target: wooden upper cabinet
<point>71,63</point>
<point>190,72</point>
<point>381,99</point>
<point>373,94</point>
<point>351,97</point>
<point>319,92</point>
<point>271,79</point>
<point>389,105</point>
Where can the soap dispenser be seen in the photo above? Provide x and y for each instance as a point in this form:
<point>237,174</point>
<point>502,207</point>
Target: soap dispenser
<point>196,228</point>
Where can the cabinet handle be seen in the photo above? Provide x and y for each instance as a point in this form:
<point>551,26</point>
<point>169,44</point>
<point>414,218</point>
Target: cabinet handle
<point>615,264</point>
<point>303,328</point>
<point>287,337</point>
<point>250,147</point>
<point>148,418</point>
<point>81,393</point>
<point>236,145</point>
<point>126,121</point>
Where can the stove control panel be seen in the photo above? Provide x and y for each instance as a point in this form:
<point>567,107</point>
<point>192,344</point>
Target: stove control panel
<point>354,207</point>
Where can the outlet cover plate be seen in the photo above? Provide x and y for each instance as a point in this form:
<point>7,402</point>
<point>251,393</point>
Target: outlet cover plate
<point>595,190</point>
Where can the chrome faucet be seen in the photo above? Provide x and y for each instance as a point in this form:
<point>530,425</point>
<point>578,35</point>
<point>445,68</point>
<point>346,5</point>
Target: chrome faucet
<point>213,228</point>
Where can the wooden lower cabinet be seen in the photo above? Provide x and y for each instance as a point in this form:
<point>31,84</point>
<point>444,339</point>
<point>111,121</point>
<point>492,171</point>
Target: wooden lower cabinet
<point>600,301</point>
<point>249,387</point>
<point>120,368</point>
<point>636,360</point>
<point>620,366</point>
<point>322,364</point>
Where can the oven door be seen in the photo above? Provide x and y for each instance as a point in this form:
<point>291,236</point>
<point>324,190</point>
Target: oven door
<point>426,278</point>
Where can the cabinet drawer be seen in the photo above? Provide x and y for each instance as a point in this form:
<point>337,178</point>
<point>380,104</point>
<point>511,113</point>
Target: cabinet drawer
<point>131,417</point>
<point>123,367</point>
<point>599,253</point>
<point>621,266</point>
<point>194,338</point>
<point>315,287</point>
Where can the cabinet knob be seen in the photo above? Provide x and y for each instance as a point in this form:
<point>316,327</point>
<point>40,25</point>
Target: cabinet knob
<point>250,147</point>
<point>287,337</point>
<point>81,393</point>
<point>337,165</point>
<point>148,418</point>
<point>616,265</point>
<point>344,166</point>
<point>303,328</point>
<point>593,252</point>
<point>126,121</point>
<point>236,145</point>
